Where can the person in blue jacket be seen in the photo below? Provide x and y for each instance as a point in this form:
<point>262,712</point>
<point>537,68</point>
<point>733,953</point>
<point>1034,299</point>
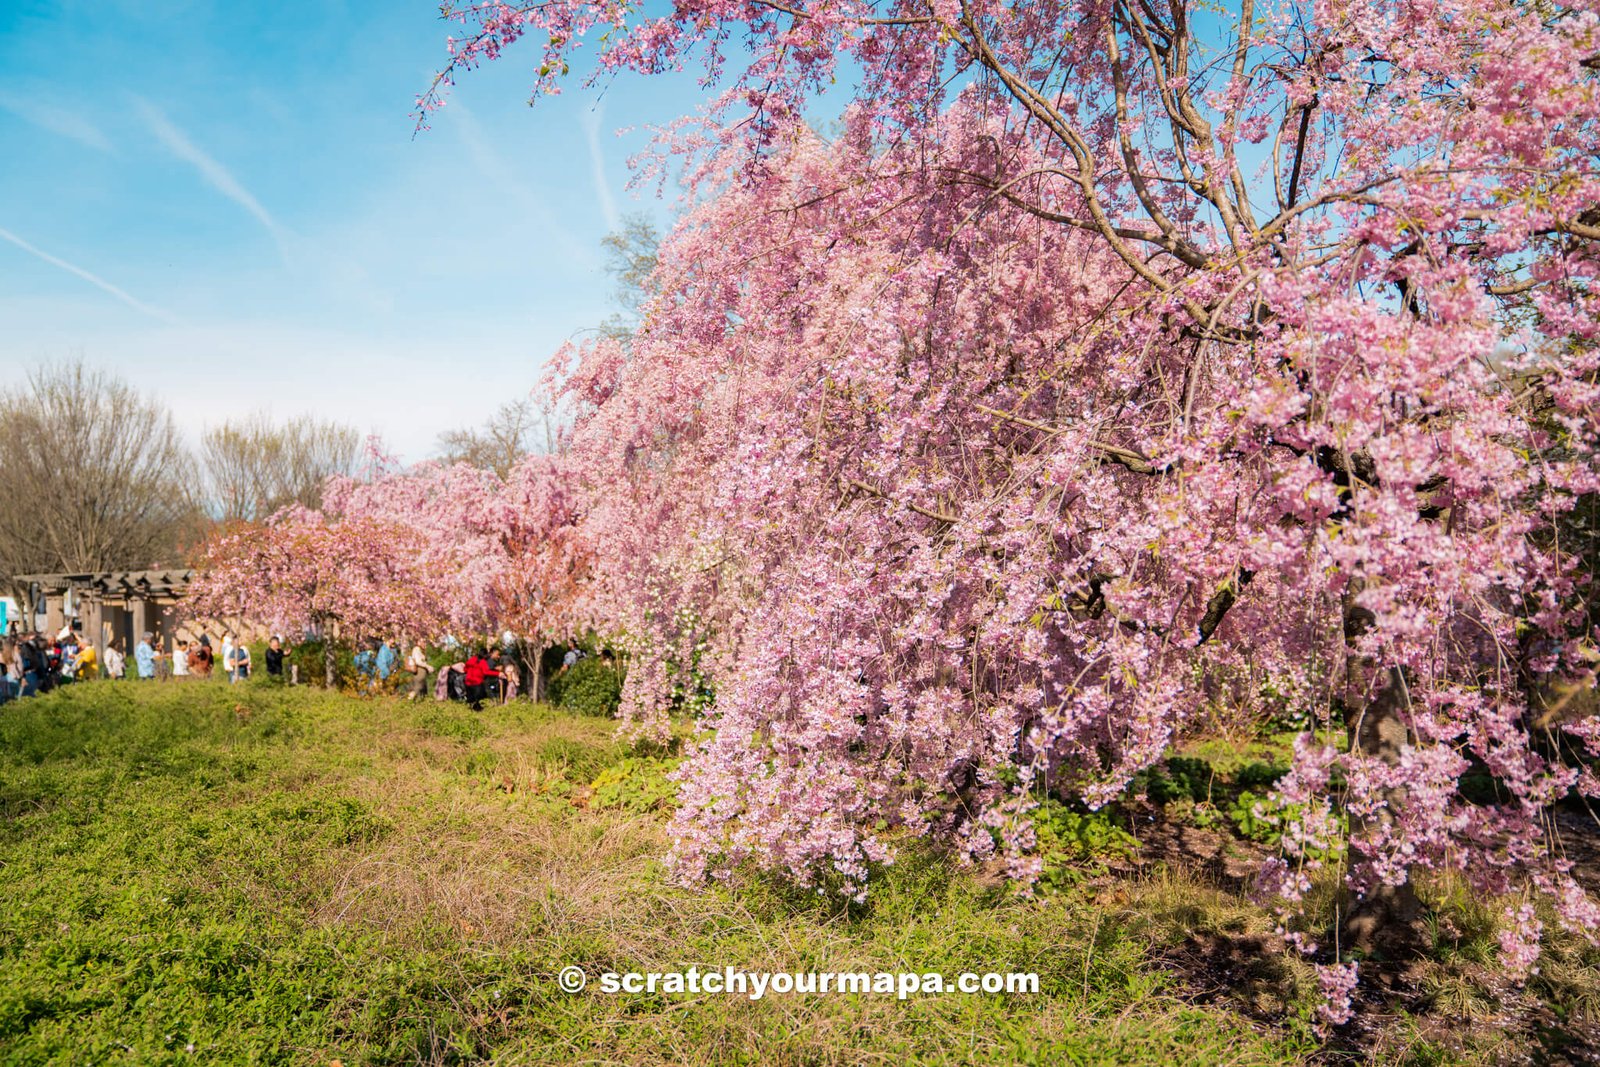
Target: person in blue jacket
<point>145,657</point>
<point>387,657</point>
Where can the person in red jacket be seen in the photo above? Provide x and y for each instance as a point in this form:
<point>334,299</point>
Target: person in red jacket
<point>478,668</point>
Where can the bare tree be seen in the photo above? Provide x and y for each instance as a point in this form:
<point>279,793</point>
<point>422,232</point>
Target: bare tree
<point>252,467</point>
<point>516,429</point>
<point>93,475</point>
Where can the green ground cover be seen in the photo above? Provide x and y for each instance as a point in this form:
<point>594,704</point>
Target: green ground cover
<point>204,873</point>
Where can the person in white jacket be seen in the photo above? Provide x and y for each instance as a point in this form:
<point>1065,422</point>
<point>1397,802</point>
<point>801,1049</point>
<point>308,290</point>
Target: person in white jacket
<point>116,662</point>
<point>417,663</point>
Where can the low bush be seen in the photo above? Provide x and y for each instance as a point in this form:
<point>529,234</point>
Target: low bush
<point>1259,775</point>
<point>1072,843</point>
<point>1179,778</point>
<point>308,657</point>
<point>588,687</point>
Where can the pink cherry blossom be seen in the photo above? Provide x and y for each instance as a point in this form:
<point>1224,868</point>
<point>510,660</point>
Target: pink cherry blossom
<point>1103,366</point>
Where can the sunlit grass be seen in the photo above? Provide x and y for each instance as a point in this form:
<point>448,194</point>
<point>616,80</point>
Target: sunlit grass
<point>286,876</point>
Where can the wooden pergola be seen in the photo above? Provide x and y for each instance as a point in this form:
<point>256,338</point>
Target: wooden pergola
<point>111,605</point>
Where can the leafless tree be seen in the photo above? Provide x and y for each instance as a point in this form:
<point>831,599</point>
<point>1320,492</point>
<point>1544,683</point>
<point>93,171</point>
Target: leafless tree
<point>253,467</point>
<point>516,429</point>
<point>93,476</point>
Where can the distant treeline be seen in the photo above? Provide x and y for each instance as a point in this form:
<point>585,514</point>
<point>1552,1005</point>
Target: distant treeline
<point>95,474</point>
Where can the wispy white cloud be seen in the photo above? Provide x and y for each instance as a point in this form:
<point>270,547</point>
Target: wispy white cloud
<point>93,279</point>
<point>216,175</point>
<point>592,120</point>
<point>337,270</point>
<point>55,119</point>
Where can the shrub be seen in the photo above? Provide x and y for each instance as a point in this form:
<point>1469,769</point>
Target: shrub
<point>1258,775</point>
<point>1180,778</point>
<point>307,655</point>
<point>588,687</point>
<point>1257,818</point>
<point>1264,819</point>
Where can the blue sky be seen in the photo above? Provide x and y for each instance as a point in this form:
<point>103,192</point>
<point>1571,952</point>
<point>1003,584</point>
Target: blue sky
<point>224,202</point>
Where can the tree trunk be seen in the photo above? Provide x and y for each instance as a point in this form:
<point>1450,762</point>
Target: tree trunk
<point>328,679</point>
<point>1387,917</point>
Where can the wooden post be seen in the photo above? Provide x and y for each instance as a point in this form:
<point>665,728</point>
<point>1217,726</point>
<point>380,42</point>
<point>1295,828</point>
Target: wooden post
<point>91,627</point>
<point>54,613</point>
<point>139,608</point>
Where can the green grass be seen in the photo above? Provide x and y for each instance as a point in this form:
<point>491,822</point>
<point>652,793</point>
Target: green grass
<point>204,873</point>
<point>286,876</point>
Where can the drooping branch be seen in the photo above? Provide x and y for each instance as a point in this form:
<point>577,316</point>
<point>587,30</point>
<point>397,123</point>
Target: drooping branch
<point>1127,458</point>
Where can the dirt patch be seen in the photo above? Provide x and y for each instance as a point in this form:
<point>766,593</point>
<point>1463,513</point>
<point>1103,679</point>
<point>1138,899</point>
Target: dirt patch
<point>1211,856</point>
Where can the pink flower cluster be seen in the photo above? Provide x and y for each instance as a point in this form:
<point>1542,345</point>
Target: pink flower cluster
<point>300,572</point>
<point>1337,982</point>
<point>421,552</point>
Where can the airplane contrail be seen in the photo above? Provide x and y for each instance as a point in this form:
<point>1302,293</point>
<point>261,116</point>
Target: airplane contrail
<point>93,279</point>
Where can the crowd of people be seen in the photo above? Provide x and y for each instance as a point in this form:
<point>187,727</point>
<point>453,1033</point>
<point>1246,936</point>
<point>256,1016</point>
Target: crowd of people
<point>33,663</point>
<point>486,674</point>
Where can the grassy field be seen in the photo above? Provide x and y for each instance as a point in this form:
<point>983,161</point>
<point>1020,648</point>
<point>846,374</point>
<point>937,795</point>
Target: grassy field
<point>198,873</point>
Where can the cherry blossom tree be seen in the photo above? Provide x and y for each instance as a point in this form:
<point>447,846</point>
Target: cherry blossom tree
<point>548,578</point>
<point>356,577</point>
<point>1112,355</point>
<point>457,516</point>
<point>504,552</point>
